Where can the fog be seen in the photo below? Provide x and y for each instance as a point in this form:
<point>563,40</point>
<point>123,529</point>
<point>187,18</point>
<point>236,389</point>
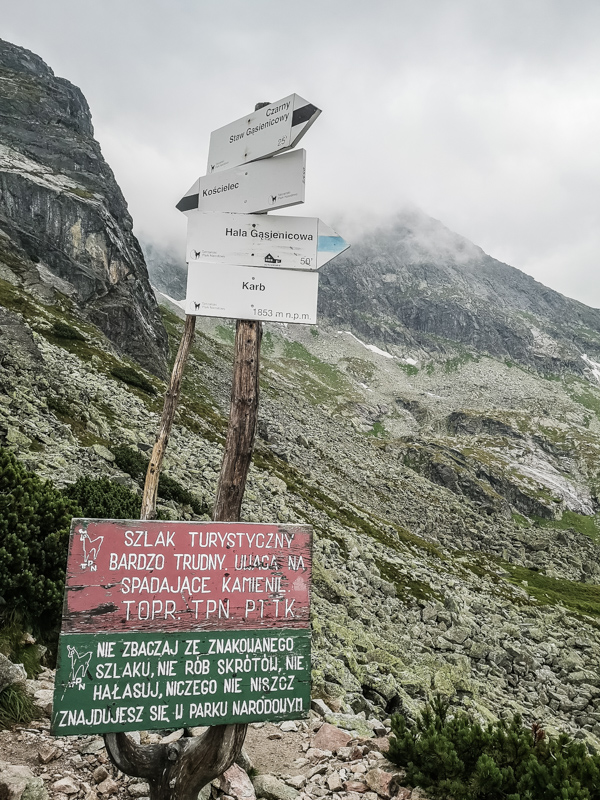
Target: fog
<point>485,115</point>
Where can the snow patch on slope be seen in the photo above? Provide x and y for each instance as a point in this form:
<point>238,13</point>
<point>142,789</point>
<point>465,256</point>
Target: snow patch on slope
<point>576,498</point>
<point>179,303</point>
<point>593,367</point>
<point>374,349</point>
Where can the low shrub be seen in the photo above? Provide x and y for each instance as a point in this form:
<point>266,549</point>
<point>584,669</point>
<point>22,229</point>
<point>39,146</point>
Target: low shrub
<point>136,465</point>
<point>20,647</point>
<point>64,331</point>
<point>456,758</point>
<point>133,378</point>
<point>170,489</point>
<point>34,532</point>
<point>61,408</point>
<point>101,498</point>
<point>16,706</point>
<point>131,461</point>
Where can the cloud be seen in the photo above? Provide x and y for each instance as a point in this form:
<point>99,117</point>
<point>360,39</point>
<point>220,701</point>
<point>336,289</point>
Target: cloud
<point>486,115</point>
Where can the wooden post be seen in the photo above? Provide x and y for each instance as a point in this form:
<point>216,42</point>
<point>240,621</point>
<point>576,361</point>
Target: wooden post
<point>166,421</point>
<point>242,422</point>
<point>180,769</point>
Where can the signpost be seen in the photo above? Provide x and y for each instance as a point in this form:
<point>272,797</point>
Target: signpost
<point>256,293</point>
<point>252,188</point>
<point>178,623</point>
<point>272,129</point>
<point>257,240</point>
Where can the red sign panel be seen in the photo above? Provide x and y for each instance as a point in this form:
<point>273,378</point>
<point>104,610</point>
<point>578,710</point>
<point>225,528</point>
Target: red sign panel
<point>131,575</point>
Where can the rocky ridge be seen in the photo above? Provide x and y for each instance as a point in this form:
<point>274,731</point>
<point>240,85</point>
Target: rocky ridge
<point>417,588</point>
<point>64,224</point>
<point>422,290</point>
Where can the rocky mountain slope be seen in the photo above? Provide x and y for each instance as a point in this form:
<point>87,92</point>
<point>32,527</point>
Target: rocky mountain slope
<point>449,468</point>
<point>64,224</point>
<point>423,289</point>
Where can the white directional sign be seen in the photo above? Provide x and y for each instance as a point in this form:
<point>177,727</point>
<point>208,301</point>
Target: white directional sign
<point>252,293</point>
<point>257,240</point>
<point>270,130</point>
<point>258,186</point>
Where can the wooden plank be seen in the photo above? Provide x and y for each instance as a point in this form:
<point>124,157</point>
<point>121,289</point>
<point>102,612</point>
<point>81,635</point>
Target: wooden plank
<point>155,575</point>
<point>142,681</point>
<point>250,189</point>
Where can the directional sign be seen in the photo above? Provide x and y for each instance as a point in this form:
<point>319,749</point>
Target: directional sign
<point>257,240</point>
<point>270,130</point>
<point>252,293</point>
<point>252,188</point>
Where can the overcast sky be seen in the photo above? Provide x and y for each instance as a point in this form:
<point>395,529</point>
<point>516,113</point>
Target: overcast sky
<point>486,115</point>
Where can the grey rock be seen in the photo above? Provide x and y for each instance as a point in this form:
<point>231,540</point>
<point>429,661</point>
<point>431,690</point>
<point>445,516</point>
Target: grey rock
<point>103,452</point>
<point>271,788</point>
<point>66,786</point>
<point>19,783</point>
<point>320,707</point>
<point>11,673</point>
<point>93,746</point>
<point>100,774</point>
<point>296,781</point>
<point>139,789</point>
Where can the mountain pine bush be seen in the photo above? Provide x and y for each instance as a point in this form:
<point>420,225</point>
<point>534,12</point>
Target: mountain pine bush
<point>35,519</point>
<point>135,464</point>
<point>457,759</point>
<point>133,378</point>
<point>34,532</point>
<point>101,498</point>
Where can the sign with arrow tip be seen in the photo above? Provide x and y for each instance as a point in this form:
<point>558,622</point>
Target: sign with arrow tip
<point>257,240</point>
<point>253,188</point>
<point>270,130</point>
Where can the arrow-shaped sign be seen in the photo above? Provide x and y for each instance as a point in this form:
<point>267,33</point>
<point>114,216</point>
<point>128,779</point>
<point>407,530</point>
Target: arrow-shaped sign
<point>257,240</point>
<point>270,130</point>
<point>254,187</point>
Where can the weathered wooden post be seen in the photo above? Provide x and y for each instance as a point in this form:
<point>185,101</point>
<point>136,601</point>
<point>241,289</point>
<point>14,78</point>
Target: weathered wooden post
<point>180,769</point>
<point>166,421</point>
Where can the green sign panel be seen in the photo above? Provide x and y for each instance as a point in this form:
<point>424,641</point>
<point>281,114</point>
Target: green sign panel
<point>109,682</point>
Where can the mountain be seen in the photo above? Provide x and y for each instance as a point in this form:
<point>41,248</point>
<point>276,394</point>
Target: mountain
<point>439,429</point>
<point>422,289</point>
<point>167,272</point>
<point>64,224</point>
